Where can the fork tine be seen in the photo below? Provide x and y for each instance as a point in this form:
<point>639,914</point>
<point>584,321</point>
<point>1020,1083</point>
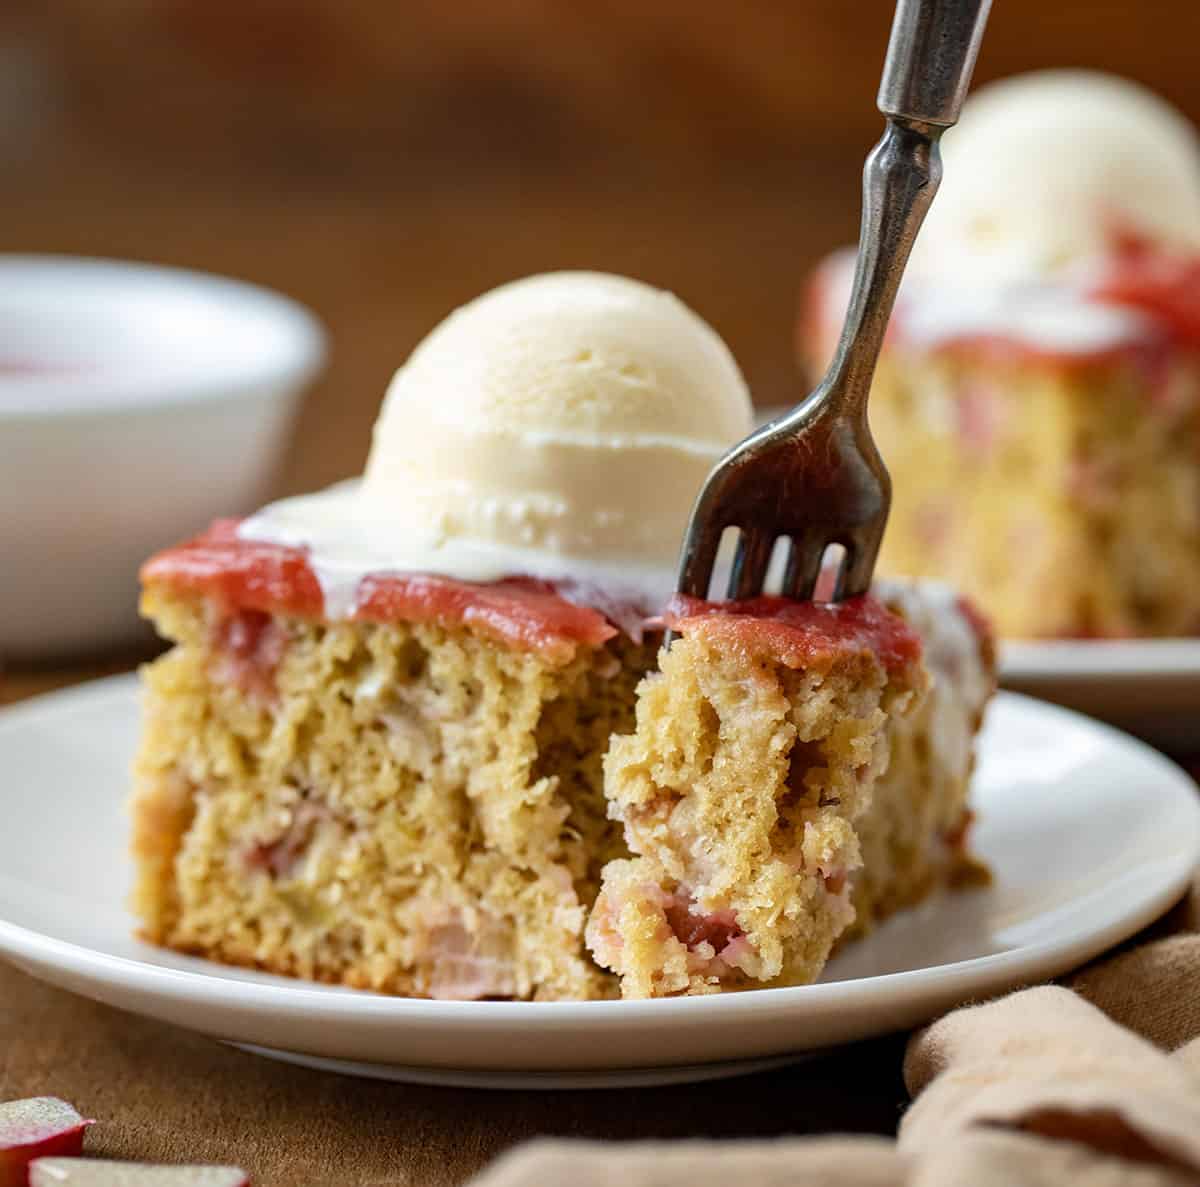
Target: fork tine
<point>750,564</point>
<point>854,577</point>
<point>803,567</point>
<point>839,576</point>
<point>699,557</point>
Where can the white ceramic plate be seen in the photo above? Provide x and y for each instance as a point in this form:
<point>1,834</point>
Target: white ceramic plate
<point>1090,835</point>
<point>1150,687</point>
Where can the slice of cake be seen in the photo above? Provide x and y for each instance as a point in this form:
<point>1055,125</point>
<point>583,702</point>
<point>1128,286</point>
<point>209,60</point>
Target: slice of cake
<point>1038,397</point>
<point>375,753</point>
<point>790,776</point>
<point>413,800</point>
<point>409,800</point>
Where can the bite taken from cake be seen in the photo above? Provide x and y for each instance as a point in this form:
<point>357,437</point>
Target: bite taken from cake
<point>798,772</point>
<point>411,736</point>
<point>1038,395</point>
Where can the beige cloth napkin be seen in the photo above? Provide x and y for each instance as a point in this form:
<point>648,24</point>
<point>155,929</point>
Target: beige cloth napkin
<point>1092,1083</point>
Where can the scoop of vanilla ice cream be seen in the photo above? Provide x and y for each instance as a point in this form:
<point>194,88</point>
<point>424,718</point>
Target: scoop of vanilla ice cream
<point>559,426</point>
<point>1043,166</point>
<point>573,414</point>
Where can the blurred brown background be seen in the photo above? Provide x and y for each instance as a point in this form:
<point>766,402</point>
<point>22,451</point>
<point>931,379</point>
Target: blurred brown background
<point>385,160</point>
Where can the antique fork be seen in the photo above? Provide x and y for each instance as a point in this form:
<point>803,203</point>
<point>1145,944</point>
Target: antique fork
<point>813,476</point>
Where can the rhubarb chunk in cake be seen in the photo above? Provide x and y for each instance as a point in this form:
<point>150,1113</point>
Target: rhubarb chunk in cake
<point>757,746</point>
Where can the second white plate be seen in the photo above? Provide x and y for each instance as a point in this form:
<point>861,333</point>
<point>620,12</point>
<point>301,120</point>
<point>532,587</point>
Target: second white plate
<point>1150,687</point>
<point>1090,835</point>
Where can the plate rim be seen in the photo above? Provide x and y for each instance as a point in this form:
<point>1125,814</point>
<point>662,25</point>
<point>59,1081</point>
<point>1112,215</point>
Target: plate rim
<point>1058,660</point>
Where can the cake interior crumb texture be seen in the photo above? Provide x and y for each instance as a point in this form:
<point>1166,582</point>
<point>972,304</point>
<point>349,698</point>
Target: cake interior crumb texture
<point>773,811</point>
<point>738,791</point>
<point>403,808</point>
<point>419,809</point>
<point>1065,499</point>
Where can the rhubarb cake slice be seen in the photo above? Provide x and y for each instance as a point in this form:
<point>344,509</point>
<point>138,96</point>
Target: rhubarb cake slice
<point>1038,395</point>
<point>413,798</point>
<point>793,766</point>
<point>409,800</point>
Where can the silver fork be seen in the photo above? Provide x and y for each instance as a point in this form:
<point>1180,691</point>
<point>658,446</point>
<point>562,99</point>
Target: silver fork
<point>814,476</point>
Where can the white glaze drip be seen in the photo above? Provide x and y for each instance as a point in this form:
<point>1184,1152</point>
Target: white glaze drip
<point>345,544</point>
<point>1048,316</point>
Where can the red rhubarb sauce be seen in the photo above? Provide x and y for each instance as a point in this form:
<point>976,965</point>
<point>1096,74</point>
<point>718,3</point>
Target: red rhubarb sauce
<point>801,634</point>
<point>252,575</point>
<point>1162,285</point>
<point>1166,286</point>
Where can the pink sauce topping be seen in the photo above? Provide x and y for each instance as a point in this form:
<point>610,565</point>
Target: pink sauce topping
<point>801,634</point>
<point>253,575</point>
<point>1163,286</point>
<point>248,579</point>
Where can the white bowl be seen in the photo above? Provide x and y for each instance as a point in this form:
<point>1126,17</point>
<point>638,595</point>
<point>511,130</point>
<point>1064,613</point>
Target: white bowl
<point>136,404</point>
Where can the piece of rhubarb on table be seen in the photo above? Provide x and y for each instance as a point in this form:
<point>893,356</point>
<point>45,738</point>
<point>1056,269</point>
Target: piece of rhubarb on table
<point>39,1127</point>
<point>100,1172</point>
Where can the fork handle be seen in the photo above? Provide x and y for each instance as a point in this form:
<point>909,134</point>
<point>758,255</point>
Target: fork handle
<point>930,57</point>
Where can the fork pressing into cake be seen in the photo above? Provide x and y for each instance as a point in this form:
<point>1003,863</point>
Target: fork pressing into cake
<point>814,477</point>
